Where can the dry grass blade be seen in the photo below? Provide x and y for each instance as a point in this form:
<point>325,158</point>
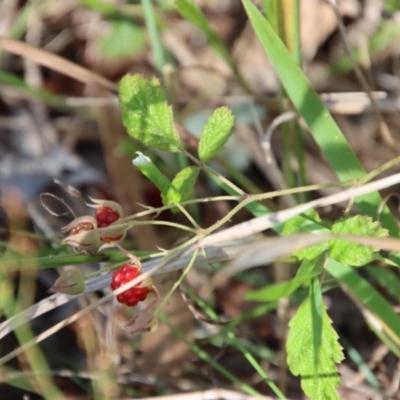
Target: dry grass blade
<point>221,246</point>
<point>220,394</point>
<point>213,254</point>
<point>56,63</point>
<point>267,250</point>
<point>264,222</point>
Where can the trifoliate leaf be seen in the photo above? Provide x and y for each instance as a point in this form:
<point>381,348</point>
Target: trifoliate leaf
<point>318,381</point>
<point>146,114</point>
<point>182,185</point>
<point>150,171</point>
<point>124,40</point>
<point>216,133</point>
<point>353,254</point>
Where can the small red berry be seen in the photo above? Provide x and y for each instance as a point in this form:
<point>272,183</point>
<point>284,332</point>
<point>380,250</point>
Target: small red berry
<point>132,296</point>
<point>105,216</point>
<point>142,293</point>
<point>132,302</point>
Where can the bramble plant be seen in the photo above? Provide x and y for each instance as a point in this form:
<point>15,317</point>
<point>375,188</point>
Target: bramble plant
<point>312,345</point>
<point>333,257</point>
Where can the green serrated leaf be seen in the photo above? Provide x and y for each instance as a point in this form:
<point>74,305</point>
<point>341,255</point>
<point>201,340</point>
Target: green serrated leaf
<point>301,349</point>
<point>216,133</point>
<point>312,252</point>
<point>353,254</point>
<point>124,40</point>
<point>307,222</point>
<point>385,322</point>
<point>151,172</point>
<point>146,114</point>
<point>182,186</point>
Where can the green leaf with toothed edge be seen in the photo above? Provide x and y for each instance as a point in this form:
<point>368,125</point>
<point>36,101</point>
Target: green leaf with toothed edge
<point>146,114</point>
<point>313,348</point>
<point>354,254</point>
<point>216,133</point>
<point>181,188</point>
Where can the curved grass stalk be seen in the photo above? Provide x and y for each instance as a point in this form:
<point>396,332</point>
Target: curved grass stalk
<point>205,357</point>
<point>239,345</point>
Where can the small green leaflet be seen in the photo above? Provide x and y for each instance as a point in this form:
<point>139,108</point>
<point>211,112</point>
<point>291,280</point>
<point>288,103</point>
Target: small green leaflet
<point>146,114</point>
<point>353,254</point>
<point>181,188</point>
<point>216,133</point>
<point>305,351</point>
<point>151,172</point>
<point>307,222</point>
<point>345,252</point>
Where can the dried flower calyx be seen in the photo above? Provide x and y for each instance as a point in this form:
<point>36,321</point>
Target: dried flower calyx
<point>82,234</point>
<point>71,281</point>
<point>87,233</point>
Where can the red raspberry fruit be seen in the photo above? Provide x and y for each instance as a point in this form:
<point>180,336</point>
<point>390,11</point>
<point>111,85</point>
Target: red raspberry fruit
<point>132,296</point>
<point>105,216</point>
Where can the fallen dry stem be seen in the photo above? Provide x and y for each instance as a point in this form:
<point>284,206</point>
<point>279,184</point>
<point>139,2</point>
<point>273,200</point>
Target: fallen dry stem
<point>178,258</point>
<point>56,63</point>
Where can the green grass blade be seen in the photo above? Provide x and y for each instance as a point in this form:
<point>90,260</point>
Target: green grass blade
<point>237,343</point>
<point>45,96</point>
<point>386,279</point>
<point>370,298</point>
<point>34,356</point>
<point>21,263</point>
<point>316,324</point>
<point>323,128</point>
<point>207,358</point>
<point>157,47</point>
<point>362,366</point>
<point>192,13</point>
